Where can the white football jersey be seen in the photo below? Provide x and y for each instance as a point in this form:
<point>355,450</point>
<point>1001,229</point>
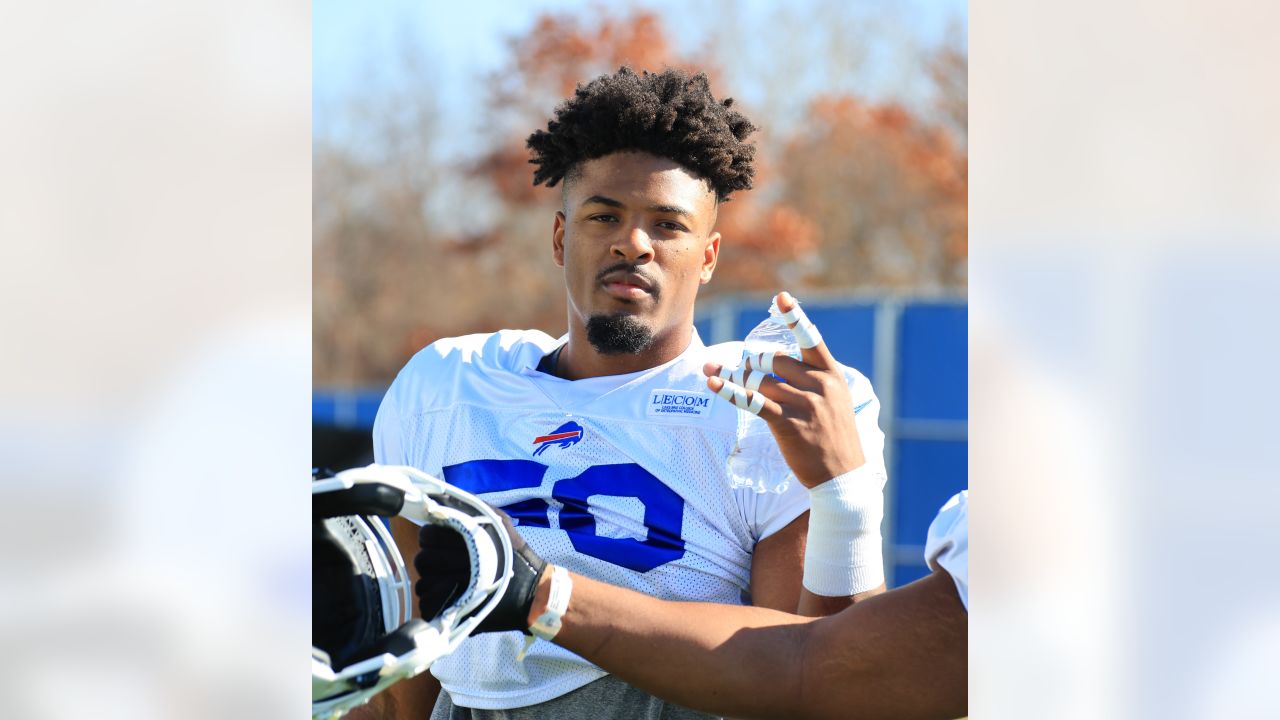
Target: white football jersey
<point>948,545</point>
<point>621,478</point>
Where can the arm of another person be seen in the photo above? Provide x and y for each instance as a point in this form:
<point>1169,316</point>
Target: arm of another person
<point>900,654</point>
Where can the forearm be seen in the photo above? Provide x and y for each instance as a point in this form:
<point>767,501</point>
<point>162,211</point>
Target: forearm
<point>901,654</point>
<point>729,660</point>
<point>812,605</point>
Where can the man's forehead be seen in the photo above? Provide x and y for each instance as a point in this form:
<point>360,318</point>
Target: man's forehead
<point>631,176</point>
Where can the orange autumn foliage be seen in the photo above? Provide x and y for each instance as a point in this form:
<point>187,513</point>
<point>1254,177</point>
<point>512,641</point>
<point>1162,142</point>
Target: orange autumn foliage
<point>858,196</point>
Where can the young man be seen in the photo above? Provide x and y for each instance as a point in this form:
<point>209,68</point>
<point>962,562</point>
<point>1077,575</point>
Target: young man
<point>604,446</point>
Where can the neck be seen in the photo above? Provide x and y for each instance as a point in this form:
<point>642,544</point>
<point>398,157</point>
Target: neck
<point>579,360</point>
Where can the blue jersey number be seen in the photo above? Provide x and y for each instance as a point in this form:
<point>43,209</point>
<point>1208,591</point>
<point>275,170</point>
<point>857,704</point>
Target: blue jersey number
<point>663,507</point>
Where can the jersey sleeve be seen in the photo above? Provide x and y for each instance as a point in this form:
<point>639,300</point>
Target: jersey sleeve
<point>866,416</point>
<point>388,448</point>
<point>768,512</point>
<point>948,545</point>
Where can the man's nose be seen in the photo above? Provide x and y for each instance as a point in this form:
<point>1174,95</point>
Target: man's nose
<point>634,245</point>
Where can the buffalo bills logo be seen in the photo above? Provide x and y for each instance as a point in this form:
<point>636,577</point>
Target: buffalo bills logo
<point>564,436</point>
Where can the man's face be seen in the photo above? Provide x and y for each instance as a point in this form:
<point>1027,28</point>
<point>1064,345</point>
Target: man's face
<point>635,239</point>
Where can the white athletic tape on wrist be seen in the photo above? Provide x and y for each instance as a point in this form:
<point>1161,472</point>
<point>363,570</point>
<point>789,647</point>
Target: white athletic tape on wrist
<point>843,555</point>
<point>548,623</point>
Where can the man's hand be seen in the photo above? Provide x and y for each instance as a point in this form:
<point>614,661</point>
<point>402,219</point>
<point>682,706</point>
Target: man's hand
<point>444,569</point>
<point>811,414</point>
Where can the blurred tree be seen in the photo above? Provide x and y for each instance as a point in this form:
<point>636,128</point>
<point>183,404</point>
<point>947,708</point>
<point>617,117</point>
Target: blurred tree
<point>850,195</point>
<point>889,192</point>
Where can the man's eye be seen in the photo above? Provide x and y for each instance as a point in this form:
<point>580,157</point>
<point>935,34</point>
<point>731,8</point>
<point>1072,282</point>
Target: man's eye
<point>672,226</point>
<point>603,218</point>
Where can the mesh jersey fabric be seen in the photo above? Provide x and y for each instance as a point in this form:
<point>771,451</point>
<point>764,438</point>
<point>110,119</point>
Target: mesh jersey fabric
<point>948,545</point>
<point>597,480</point>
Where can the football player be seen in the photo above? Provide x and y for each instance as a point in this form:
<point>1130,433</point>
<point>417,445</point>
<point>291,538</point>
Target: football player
<point>605,446</point>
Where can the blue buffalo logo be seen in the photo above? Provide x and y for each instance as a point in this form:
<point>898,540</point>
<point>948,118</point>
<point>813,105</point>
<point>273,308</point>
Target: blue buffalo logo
<point>564,436</point>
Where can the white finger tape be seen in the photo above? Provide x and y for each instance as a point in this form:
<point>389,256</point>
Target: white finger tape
<point>726,372</point>
<point>738,375</point>
<point>757,403</point>
<point>807,335</point>
<point>754,378</point>
<point>765,362</point>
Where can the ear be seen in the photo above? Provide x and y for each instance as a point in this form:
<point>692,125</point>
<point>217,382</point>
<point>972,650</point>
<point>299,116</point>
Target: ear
<point>557,239</point>
<point>709,256</point>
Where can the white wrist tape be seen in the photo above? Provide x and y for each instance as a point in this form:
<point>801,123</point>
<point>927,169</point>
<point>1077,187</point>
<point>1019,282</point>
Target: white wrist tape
<point>548,623</point>
<point>843,556</point>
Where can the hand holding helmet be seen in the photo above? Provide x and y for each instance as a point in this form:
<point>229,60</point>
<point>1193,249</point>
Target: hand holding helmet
<point>443,571</point>
<point>363,637</point>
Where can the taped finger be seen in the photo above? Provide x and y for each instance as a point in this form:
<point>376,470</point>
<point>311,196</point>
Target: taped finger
<point>754,378</point>
<point>763,361</point>
<point>735,394</point>
<point>807,335</point>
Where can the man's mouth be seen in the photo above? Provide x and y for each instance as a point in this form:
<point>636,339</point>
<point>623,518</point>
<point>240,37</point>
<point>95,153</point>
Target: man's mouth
<point>627,285</point>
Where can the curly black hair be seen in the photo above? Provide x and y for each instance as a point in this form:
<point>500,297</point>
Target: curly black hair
<point>670,114</point>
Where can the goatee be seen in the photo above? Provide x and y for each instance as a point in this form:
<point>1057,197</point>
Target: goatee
<point>618,334</point>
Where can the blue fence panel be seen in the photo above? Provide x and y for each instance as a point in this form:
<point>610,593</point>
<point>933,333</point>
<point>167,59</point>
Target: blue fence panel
<point>928,472</point>
<point>346,408</point>
<point>703,326</point>
<point>933,381</point>
<point>323,407</point>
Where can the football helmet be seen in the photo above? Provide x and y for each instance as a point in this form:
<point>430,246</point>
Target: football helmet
<point>364,638</point>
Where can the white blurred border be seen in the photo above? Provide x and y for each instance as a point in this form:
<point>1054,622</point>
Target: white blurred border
<point>155,175</point>
<point>154,225</point>
<point>1125,271</point>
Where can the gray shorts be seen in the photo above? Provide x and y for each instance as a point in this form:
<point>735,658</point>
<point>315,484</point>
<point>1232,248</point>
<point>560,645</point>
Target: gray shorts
<point>605,699</point>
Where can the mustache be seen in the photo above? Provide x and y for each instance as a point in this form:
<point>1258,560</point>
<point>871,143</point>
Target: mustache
<point>630,269</point>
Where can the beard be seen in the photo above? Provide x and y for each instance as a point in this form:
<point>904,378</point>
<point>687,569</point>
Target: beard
<point>618,334</point>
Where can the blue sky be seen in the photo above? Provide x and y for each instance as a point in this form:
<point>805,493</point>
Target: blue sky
<point>355,45</point>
